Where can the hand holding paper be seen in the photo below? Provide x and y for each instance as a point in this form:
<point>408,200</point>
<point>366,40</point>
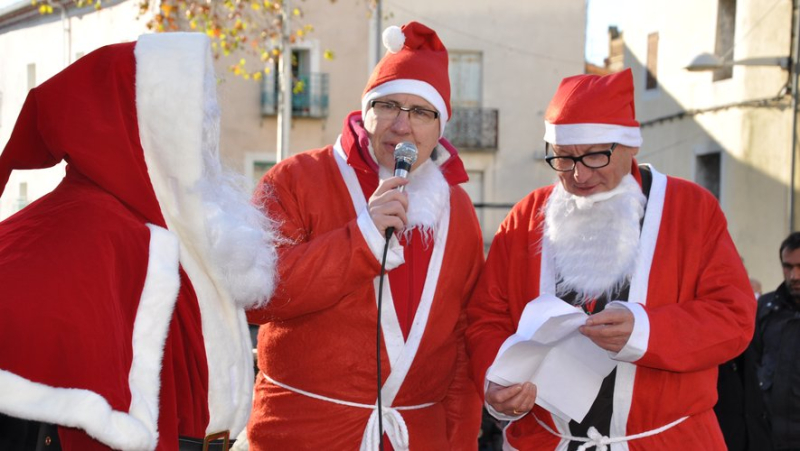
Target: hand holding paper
<point>512,401</point>
<point>609,329</point>
<point>548,350</point>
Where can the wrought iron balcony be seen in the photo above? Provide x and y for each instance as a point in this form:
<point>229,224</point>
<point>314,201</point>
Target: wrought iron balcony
<point>309,96</point>
<point>473,129</point>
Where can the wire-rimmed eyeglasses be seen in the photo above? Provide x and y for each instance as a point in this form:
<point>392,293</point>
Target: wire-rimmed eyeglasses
<point>592,160</point>
<point>390,111</point>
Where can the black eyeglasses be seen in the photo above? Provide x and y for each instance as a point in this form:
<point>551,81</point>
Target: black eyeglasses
<point>390,111</point>
<point>592,160</point>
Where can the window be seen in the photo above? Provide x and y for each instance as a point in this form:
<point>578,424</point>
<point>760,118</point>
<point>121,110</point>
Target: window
<point>31,76</point>
<point>22,199</point>
<point>260,167</point>
<point>471,125</point>
<point>652,61</point>
<point>708,172</point>
<point>309,89</point>
<point>726,31</point>
<point>466,84</point>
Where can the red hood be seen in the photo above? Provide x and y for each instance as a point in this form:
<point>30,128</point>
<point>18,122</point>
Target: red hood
<point>87,116</point>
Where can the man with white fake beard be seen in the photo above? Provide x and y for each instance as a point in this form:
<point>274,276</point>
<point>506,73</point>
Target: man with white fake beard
<point>318,387</point>
<point>649,261</point>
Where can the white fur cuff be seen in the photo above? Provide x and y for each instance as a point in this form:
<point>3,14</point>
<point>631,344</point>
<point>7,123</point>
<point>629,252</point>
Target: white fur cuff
<point>376,241</point>
<point>636,346</point>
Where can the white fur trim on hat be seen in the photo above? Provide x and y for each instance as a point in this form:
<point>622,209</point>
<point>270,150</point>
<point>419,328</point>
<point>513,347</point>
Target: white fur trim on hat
<point>408,86</point>
<point>393,39</point>
<point>572,134</point>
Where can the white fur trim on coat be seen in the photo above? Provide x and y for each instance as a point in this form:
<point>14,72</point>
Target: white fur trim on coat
<point>401,352</point>
<point>626,372</point>
<point>136,429</point>
<point>177,65</point>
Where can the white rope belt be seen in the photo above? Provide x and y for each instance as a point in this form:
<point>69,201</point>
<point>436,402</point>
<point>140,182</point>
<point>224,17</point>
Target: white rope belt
<point>395,426</point>
<point>600,441</point>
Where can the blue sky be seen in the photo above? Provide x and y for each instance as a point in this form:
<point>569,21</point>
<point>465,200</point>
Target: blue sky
<point>600,14</point>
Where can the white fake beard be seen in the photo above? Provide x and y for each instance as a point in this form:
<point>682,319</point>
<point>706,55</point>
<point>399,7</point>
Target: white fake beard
<point>594,239</point>
<point>428,195</point>
<point>241,237</point>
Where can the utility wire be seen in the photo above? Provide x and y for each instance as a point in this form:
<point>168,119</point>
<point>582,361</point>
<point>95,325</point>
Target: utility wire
<point>750,30</point>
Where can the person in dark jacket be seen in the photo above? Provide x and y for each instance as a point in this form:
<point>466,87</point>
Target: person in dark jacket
<point>776,350</point>
<point>740,408</point>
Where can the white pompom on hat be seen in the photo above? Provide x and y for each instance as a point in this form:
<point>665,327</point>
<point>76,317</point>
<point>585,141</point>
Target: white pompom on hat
<point>593,109</point>
<point>393,39</point>
<point>415,63</point>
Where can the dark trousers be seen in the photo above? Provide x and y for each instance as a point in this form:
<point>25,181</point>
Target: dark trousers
<point>25,435</point>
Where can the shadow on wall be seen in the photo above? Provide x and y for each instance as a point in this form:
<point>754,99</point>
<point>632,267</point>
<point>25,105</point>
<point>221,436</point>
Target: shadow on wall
<point>739,151</point>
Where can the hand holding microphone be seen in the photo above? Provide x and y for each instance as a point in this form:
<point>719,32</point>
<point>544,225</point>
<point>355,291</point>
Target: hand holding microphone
<point>388,205</point>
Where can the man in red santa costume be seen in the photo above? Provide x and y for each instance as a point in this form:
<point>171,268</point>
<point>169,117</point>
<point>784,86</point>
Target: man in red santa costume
<point>317,348</point>
<point>122,316</point>
<point>646,256</point>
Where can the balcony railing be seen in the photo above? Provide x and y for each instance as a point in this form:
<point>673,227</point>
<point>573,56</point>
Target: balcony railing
<point>473,129</point>
<point>309,96</point>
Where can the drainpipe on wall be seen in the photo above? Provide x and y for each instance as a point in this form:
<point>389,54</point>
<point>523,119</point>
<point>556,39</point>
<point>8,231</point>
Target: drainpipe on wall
<point>378,32</point>
<point>67,32</point>
<point>285,84</point>
<point>794,74</point>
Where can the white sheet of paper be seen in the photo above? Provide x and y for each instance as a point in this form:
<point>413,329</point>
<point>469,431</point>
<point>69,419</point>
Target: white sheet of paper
<point>547,349</point>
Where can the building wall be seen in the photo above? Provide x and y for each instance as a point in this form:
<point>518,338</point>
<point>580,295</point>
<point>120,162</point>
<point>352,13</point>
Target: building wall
<point>525,54</point>
<point>50,43</point>
<point>689,114</point>
<point>526,48</point>
<point>248,137</point>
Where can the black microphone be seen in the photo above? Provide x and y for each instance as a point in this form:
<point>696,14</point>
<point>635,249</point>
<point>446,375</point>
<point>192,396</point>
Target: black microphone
<point>405,155</point>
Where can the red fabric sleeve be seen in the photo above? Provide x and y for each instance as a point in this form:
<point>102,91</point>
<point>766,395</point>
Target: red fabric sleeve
<point>489,321</point>
<point>709,320</point>
<point>312,258</point>
<point>509,280</point>
<point>462,402</point>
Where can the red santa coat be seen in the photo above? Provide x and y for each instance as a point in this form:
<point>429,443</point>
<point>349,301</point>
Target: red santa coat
<point>320,327</point>
<point>113,323</point>
<point>695,297</point>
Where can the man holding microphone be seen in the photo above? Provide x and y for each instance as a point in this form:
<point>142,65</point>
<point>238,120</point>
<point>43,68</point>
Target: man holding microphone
<point>318,386</point>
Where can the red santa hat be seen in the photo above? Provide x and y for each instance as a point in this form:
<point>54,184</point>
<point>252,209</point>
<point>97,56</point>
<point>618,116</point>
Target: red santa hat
<point>416,63</point>
<point>593,109</point>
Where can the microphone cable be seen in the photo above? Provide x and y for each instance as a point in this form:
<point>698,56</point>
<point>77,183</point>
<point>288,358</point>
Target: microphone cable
<point>379,335</point>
